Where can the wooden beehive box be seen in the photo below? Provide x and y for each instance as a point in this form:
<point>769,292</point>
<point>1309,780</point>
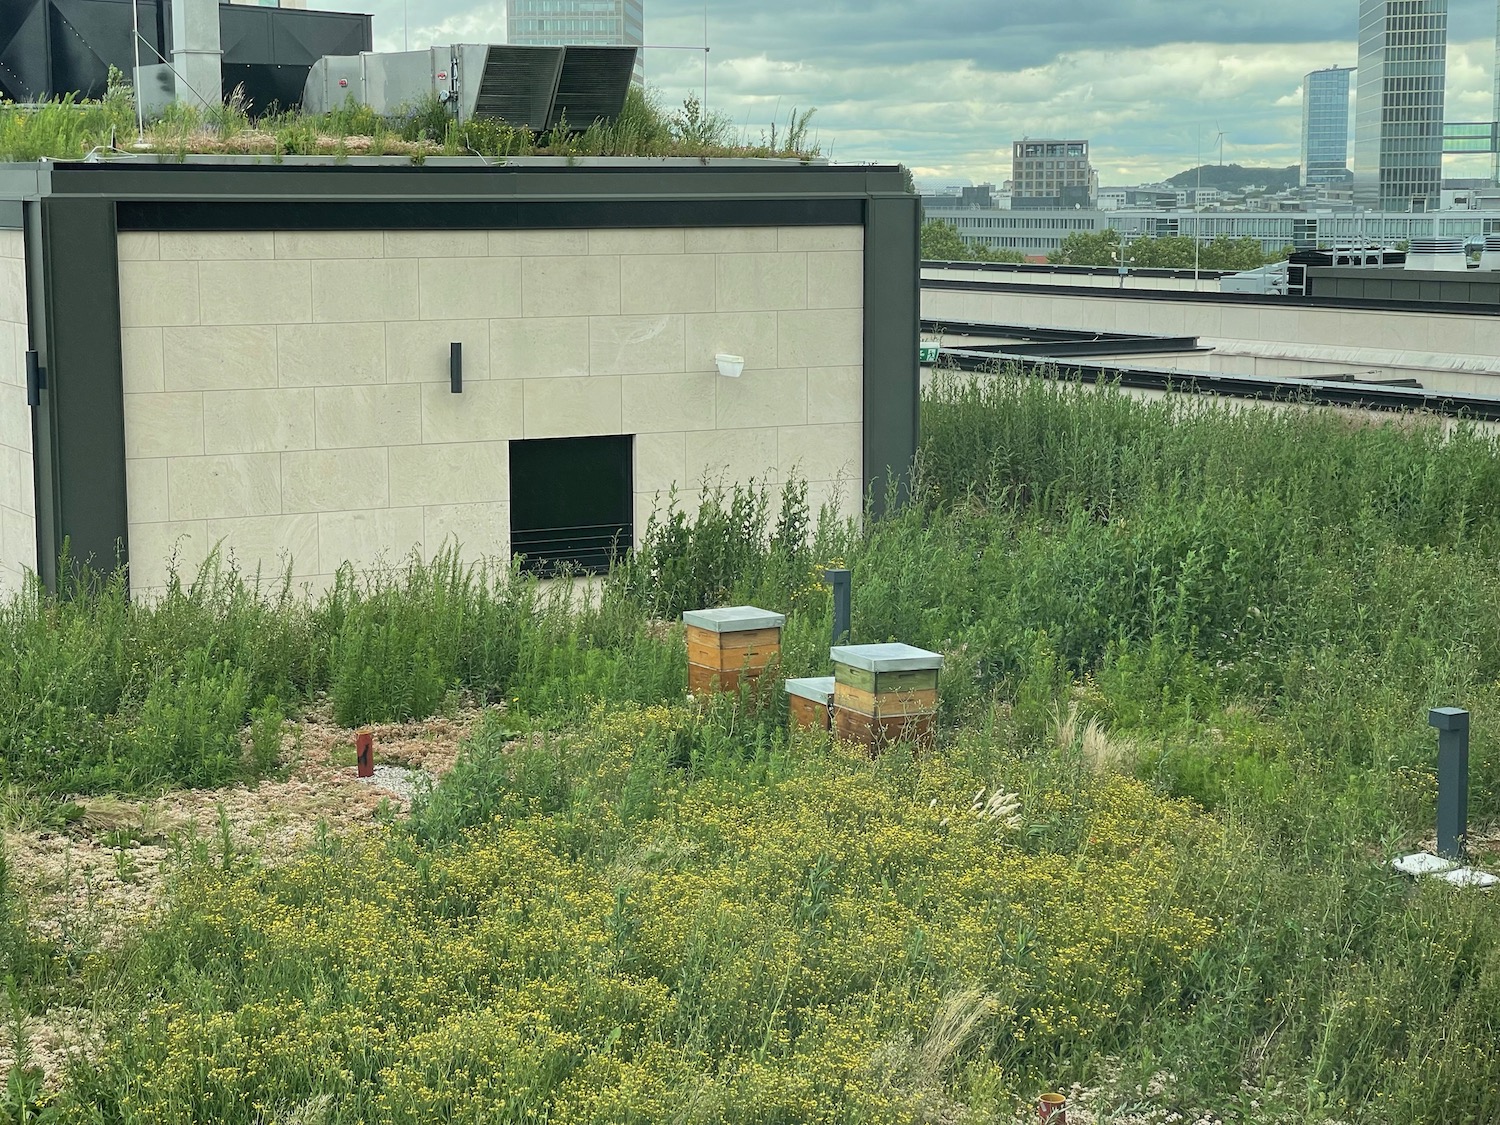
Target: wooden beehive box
<point>728,645</point>
<point>884,693</point>
<point>809,703</point>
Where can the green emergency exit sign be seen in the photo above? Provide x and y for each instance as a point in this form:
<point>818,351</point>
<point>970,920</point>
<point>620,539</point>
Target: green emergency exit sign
<point>927,353</point>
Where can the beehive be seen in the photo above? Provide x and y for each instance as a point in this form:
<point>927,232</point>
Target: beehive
<point>728,645</point>
<point>884,693</point>
<point>808,702</point>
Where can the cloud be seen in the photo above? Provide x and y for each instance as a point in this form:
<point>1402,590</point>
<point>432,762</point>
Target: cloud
<point>944,86</point>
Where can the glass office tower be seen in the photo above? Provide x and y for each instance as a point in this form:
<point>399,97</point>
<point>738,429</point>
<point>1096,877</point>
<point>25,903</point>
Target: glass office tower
<point>1398,121</point>
<point>558,23</point>
<point>1325,126</point>
<point>1497,88</point>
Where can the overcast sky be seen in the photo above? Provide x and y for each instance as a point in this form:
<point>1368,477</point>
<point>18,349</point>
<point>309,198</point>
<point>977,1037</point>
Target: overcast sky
<point>944,86</point>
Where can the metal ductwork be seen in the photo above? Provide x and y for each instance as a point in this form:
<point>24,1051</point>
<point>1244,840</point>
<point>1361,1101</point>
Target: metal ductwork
<point>535,87</point>
<point>52,48</point>
<point>197,55</point>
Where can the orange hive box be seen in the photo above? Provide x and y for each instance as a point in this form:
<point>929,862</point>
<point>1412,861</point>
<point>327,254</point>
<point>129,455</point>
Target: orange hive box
<point>884,693</point>
<point>726,645</point>
<point>808,702</point>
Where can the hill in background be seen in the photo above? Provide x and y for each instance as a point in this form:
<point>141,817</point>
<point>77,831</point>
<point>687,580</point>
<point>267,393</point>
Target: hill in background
<point>1236,177</point>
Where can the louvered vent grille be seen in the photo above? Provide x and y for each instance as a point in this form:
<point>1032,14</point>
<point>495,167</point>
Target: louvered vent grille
<point>593,84</point>
<point>518,84</point>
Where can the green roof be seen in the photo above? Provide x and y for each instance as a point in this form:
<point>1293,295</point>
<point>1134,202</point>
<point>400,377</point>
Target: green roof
<point>69,129</point>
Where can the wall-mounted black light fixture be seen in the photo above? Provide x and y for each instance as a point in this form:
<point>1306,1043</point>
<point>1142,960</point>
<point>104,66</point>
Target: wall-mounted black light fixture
<point>36,379</point>
<point>456,368</point>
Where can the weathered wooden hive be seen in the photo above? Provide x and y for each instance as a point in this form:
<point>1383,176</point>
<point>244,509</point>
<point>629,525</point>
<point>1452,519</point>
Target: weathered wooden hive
<point>809,702</point>
<point>884,693</point>
<point>726,646</point>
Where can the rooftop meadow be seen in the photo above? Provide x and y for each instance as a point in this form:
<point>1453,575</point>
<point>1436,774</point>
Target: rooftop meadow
<point>1190,652</point>
<point>109,128</point>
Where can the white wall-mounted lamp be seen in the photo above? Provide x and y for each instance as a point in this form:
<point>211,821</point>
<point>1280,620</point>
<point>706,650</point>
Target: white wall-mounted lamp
<point>730,366</point>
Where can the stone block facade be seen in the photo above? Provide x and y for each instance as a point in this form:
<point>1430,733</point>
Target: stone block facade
<point>287,392</point>
<point>17,482</point>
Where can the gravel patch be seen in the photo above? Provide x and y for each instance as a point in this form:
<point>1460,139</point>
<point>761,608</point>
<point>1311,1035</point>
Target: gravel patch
<point>404,783</point>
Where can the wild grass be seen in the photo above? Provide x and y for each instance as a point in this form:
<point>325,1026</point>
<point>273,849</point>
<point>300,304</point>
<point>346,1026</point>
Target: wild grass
<point>100,693</point>
<point>69,129</point>
<point>1190,650</point>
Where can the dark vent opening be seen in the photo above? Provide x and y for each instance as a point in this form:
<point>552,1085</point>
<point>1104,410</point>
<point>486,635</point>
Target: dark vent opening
<point>571,503</point>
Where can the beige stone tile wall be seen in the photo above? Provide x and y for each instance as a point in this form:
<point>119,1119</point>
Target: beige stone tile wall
<point>17,478</point>
<point>287,393</point>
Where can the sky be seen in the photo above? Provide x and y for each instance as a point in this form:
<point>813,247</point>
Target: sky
<point>944,86</point>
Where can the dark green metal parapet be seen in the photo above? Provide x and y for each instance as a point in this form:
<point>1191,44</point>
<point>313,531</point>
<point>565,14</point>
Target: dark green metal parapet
<point>72,213</point>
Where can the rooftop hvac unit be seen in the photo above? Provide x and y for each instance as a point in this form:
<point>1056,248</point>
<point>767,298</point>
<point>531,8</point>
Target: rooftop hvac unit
<point>535,87</point>
<point>1489,258</point>
<point>1442,254</point>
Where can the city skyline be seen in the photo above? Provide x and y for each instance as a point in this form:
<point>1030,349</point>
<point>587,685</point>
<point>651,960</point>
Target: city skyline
<point>946,89</point>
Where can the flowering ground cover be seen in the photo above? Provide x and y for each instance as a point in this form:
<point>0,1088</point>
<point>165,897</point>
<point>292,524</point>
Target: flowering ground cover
<point>1190,652</point>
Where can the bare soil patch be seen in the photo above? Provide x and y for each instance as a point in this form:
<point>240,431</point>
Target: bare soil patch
<point>87,886</point>
<point>106,870</point>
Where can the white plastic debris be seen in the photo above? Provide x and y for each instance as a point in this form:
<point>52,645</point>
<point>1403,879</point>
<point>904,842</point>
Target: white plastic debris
<point>1422,863</point>
<point>1470,877</point>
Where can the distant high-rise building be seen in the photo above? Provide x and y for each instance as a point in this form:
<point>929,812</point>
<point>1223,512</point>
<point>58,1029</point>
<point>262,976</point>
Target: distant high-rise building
<point>1398,119</point>
<point>561,23</point>
<point>1325,126</point>
<point>1497,90</point>
<point>1050,173</point>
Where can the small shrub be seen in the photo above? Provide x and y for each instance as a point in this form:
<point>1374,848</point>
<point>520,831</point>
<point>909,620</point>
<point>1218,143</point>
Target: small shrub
<point>188,732</point>
<point>402,636</point>
<point>480,784</point>
<point>267,725</point>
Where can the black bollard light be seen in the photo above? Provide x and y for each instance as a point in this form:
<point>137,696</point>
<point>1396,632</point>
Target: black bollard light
<point>1452,724</point>
<point>842,582</point>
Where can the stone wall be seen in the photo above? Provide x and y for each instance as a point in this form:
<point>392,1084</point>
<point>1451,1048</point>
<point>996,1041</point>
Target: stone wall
<point>17,480</point>
<point>287,395</point>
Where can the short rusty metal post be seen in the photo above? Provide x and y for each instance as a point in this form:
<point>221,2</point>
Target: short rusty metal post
<point>364,749</point>
<point>1452,724</point>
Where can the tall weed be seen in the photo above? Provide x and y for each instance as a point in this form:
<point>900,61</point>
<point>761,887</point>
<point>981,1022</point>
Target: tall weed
<point>188,731</point>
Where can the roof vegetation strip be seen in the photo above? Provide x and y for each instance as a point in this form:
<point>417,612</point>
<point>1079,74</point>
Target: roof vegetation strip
<point>71,129</point>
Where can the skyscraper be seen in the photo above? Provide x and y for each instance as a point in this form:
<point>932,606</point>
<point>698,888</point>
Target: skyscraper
<point>1497,90</point>
<point>1325,126</point>
<point>1398,120</point>
<point>558,23</point>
